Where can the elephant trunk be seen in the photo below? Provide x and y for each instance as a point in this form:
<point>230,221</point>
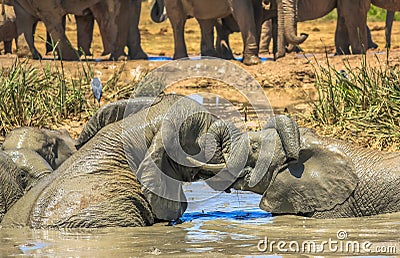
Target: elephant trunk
<point>231,147</point>
<point>158,12</point>
<point>288,13</point>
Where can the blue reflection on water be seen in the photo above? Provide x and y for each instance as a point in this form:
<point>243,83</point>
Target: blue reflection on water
<point>168,58</point>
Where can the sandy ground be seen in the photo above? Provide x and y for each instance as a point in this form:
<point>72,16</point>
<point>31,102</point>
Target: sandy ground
<point>288,82</point>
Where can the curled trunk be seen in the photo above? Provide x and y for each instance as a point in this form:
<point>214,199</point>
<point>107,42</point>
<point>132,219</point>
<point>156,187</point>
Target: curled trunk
<point>287,13</point>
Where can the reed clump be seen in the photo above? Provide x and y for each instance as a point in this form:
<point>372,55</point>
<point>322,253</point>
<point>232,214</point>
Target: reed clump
<point>358,104</point>
<point>48,95</point>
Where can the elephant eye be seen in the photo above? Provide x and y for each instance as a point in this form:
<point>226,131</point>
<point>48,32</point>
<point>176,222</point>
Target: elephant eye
<point>254,147</point>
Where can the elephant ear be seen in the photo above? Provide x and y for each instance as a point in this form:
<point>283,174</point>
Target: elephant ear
<point>322,178</point>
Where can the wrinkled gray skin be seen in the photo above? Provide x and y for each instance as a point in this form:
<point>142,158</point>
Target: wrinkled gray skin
<point>111,113</point>
<point>54,146</point>
<point>32,163</point>
<point>11,183</point>
<point>21,170</point>
<point>98,187</point>
<point>247,14</point>
<point>8,28</point>
<point>331,179</point>
<point>119,14</point>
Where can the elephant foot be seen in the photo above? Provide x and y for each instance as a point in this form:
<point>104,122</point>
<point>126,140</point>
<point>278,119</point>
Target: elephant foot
<point>251,60</point>
<point>212,53</point>
<point>36,55</point>
<point>68,54</point>
<point>141,55</point>
<point>279,55</point>
<point>180,56</point>
<point>372,45</point>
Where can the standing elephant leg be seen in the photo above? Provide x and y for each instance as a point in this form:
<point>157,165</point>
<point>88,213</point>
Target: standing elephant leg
<point>341,37</point>
<point>266,36</point>
<point>354,14</point>
<point>224,28</point>
<point>49,41</point>
<point>207,37</point>
<point>371,44</point>
<point>388,27</point>
<point>178,24</point>
<point>26,24</point>
<point>55,28</point>
<point>134,45</point>
<point>245,17</point>
<point>84,27</point>
<point>8,47</point>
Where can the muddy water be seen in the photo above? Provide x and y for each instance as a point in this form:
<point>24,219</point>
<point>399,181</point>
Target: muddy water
<point>215,224</point>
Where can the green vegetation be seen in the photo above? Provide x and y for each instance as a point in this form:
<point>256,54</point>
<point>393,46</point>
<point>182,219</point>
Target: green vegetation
<point>47,95</point>
<point>358,104</point>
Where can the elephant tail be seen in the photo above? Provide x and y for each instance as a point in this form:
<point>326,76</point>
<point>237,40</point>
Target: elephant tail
<point>158,13</point>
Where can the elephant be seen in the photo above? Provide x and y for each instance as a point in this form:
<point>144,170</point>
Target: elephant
<point>305,10</point>
<point>111,113</point>
<point>388,27</point>
<point>11,182</point>
<point>331,179</point>
<point>35,166</point>
<point>119,13</point>
<point>20,169</point>
<point>54,146</point>
<point>8,28</point>
<point>131,172</point>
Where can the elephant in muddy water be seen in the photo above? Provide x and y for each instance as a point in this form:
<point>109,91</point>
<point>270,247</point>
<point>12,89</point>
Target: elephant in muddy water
<point>119,13</point>
<point>109,114</point>
<point>131,172</point>
<point>19,171</point>
<point>331,179</point>
<point>54,146</point>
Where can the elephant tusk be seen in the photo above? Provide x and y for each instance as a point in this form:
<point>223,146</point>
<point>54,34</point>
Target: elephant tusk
<point>211,167</point>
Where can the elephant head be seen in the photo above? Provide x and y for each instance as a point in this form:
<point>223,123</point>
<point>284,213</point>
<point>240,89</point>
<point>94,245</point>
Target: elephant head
<point>321,178</point>
<point>30,162</point>
<point>12,180</point>
<point>54,146</point>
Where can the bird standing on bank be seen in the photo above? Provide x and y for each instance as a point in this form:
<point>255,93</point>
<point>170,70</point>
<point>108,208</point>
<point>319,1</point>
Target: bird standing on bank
<point>97,89</point>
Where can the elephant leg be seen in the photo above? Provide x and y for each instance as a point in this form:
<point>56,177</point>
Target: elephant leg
<point>341,38</point>
<point>266,36</point>
<point>134,45</point>
<point>55,28</point>
<point>245,17</point>
<point>355,15</point>
<point>207,37</point>
<point>49,41</point>
<point>388,27</point>
<point>177,19</point>
<point>26,25</point>
<point>103,22</point>
<point>223,27</point>
<point>84,27</point>
<point>8,47</point>
<point>371,44</point>
<point>116,16</point>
